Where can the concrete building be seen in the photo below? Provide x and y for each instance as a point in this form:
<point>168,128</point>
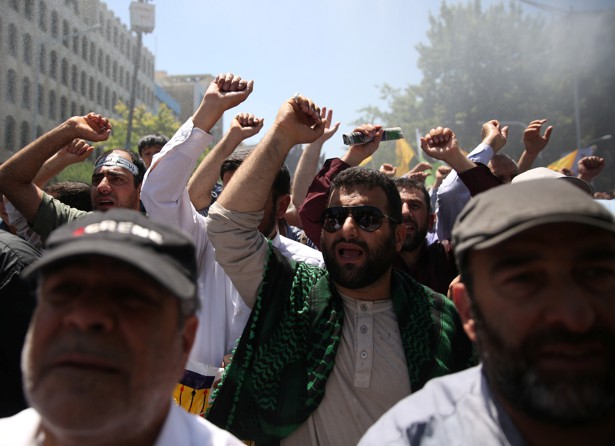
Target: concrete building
<point>188,90</point>
<point>62,58</point>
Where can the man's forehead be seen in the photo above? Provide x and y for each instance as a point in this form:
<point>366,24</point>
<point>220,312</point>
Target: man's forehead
<point>117,162</point>
<point>359,194</point>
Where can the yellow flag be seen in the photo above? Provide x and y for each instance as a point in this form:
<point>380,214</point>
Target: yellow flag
<point>366,161</point>
<point>565,162</point>
<point>403,155</point>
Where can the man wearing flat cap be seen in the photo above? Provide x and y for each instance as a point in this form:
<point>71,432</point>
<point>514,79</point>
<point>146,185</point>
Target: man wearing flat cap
<point>110,336</point>
<point>537,261</point>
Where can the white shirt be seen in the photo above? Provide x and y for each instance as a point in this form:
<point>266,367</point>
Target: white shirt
<point>180,428</point>
<point>223,313</point>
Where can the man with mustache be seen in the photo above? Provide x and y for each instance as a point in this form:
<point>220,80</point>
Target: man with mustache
<point>537,262</point>
<point>325,351</point>
<point>110,336</point>
<point>432,264</point>
<point>116,180</point>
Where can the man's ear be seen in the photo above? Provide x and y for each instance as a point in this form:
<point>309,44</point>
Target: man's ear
<point>281,205</point>
<point>461,299</point>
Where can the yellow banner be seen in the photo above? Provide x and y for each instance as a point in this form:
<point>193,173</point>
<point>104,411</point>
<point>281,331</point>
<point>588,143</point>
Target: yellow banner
<point>403,155</point>
<point>565,162</point>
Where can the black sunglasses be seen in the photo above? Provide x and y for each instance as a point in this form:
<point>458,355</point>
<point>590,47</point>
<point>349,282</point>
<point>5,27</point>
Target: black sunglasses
<point>369,218</point>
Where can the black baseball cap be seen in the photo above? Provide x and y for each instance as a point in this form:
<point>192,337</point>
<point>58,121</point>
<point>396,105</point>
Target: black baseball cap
<point>500,213</point>
<point>163,252</point>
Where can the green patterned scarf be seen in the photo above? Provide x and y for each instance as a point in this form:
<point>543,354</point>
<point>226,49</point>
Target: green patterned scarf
<point>287,351</point>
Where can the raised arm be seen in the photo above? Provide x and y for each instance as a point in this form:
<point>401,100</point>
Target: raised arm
<point>453,194</point>
<point>590,167</point>
<point>74,152</point>
<point>164,192</point>
<point>316,198</point>
<point>308,167</point>
<point>534,143</point>
<point>18,173</point>
<point>233,219</point>
<point>243,126</point>
<point>298,121</point>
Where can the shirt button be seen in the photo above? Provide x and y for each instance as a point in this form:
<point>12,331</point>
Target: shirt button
<point>363,307</point>
<point>363,329</point>
<point>364,355</point>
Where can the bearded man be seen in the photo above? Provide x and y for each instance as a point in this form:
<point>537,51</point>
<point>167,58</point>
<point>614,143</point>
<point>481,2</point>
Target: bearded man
<point>537,261</point>
<point>325,351</point>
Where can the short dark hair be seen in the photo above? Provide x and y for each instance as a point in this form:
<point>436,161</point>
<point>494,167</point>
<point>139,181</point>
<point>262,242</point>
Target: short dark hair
<point>76,194</point>
<point>281,184</point>
<point>412,184</point>
<point>134,158</point>
<point>151,140</point>
<point>372,179</point>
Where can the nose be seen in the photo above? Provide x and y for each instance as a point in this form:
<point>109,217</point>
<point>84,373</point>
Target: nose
<point>349,228</point>
<point>104,186</point>
<point>571,308</point>
<point>405,210</point>
<point>89,314</point>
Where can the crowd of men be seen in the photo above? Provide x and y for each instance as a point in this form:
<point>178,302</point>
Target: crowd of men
<point>222,302</point>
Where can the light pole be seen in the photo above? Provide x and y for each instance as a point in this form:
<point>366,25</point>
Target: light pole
<point>142,16</point>
<point>37,68</point>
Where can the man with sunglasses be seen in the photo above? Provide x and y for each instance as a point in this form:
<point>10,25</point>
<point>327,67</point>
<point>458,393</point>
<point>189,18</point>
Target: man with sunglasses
<point>325,351</point>
<point>432,264</point>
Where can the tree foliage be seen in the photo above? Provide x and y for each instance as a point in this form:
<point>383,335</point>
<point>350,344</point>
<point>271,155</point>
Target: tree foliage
<point>504,63</point>
<point>143,123</point>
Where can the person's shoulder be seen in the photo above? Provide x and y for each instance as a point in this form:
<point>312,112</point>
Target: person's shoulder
<point>298,251</point>
<point>427,412</point>
<point>19,429</point>
<point>188,429</point>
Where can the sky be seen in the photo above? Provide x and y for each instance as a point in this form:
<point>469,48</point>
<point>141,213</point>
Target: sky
<point>337,52</point>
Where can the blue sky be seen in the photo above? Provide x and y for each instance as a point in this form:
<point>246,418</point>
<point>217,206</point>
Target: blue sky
<point>335,51</point>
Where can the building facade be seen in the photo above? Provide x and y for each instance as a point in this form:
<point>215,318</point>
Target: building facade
<point>61,58</point>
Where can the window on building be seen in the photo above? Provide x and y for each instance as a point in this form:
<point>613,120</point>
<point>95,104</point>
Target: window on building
<point>114,71</point>
<point>39,131</point>
<point>107,99</point>
<point>74,77</point>
<point>25,133</point>
<point>52,105</point>
<point>42,60</point>
<point>65,33</point>
<point>29,9</point>
<point>107,65</point>
<point>42,16</point>
<point>63,108</point>
<point>9,133</point>
<point>13,40</point>
<point>53,65</point>
<point>15,4</point>
<point>100,60</point>
<point>81,110</point>
<point>84,48</point>
<point>27,49</point>
<point>55,24</point>
<point>40,100</point>
<point>73,108</point>
<point>99,94</point>
<point>64,72</point>
<point>92,53</point>
<point>122,44</point>
<point>84,81</point>
<point>11,86</point>
<point>113,100</point>
<point>75,36</point>
<point>25,93</point>
<point>115,37</point>
<point>91,89</point>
